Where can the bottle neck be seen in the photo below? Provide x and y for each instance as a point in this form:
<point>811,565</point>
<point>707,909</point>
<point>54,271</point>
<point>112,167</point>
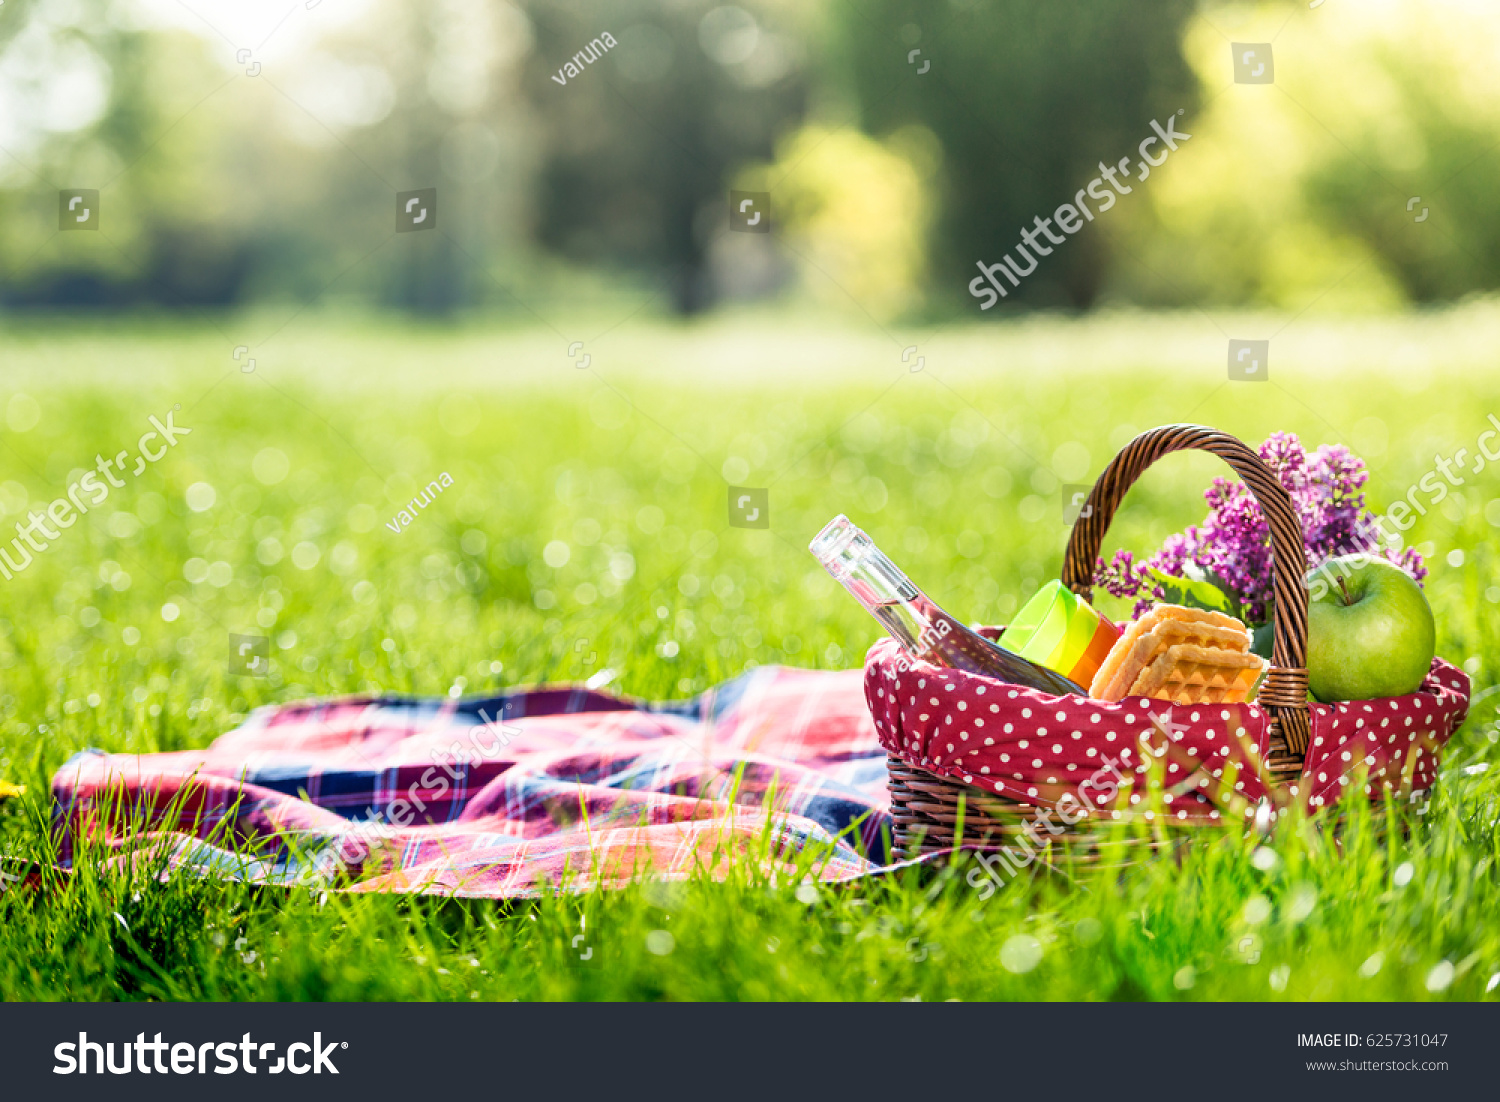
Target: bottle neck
<point>880,586</point>
<point>921,627</point>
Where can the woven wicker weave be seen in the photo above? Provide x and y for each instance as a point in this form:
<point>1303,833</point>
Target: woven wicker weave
<point>925,808</point>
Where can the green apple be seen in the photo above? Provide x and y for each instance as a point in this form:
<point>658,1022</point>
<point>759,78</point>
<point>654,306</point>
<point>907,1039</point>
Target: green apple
<point>1369,630</point>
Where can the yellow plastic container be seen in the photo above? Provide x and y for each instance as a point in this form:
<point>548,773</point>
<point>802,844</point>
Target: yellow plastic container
<point>1060,630</point>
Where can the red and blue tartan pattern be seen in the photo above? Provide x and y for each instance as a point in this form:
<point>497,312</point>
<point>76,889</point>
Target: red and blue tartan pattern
<point>581,788</point>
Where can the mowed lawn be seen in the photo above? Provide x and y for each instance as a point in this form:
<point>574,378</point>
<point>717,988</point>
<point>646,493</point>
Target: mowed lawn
<point>588,515</point>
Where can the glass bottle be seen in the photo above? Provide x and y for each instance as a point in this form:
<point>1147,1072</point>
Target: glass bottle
<point>923,629</point>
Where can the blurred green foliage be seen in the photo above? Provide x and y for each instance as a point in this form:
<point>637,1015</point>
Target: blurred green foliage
<point>1026,99</point>
<point>1361,180</point>
<point>638,151</point>
<point>220,187</point>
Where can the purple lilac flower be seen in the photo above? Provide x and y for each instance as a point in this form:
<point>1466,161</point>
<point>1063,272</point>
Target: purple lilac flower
<point>1233,543</point>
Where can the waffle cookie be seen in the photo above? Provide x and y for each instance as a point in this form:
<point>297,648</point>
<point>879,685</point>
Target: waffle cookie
<point>1188,674</point>
<point>1173,652</point>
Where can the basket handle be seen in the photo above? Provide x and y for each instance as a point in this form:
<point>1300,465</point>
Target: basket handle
<point>1284,691</point>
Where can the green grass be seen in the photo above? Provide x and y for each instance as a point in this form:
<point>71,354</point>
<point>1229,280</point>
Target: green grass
<point>116,636</point>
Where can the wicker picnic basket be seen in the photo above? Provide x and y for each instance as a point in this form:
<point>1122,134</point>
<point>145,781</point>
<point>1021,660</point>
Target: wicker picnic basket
<point>934,796</point>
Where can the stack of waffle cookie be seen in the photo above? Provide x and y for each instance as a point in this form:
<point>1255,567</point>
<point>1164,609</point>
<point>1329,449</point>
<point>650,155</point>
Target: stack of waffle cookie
<point>1185,655</point>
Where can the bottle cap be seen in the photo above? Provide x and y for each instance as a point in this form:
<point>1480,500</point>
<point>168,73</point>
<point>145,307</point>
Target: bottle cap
<point>833,546</point>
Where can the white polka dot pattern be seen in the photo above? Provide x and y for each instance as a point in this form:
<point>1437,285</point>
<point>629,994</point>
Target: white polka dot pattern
<point>1408,741</point>
<point>1086,733</point>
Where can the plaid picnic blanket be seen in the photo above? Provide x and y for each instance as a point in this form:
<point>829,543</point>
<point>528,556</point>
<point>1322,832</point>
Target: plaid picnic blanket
<point>498,796</point>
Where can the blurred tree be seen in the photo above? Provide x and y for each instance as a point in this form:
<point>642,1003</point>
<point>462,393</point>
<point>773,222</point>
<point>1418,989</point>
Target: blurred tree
<point>82,103</point>
<point>1026,97</point>
<point>1363,183</point>
<point>1429,151</point>
<point>639,146</point>
<point>854,211</point>
<point>219,188</point>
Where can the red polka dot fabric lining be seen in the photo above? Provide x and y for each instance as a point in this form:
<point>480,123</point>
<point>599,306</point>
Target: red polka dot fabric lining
<point>1397,740</point>
<point>1029,746</point>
